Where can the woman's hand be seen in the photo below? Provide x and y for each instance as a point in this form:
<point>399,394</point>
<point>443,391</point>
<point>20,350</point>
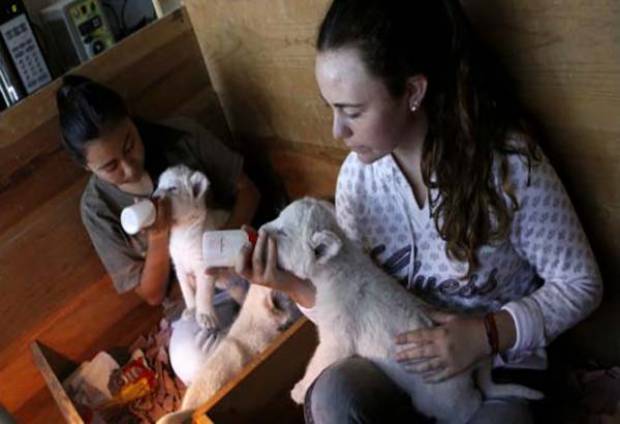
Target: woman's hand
<point>259,266</point>
<point>156,271</point>
<point>440,352</point>
<point>160,229</point>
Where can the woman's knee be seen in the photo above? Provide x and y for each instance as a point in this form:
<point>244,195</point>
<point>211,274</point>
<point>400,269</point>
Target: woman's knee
<point>506,411</point>
<point>185,355</point>
<point>354,390</point>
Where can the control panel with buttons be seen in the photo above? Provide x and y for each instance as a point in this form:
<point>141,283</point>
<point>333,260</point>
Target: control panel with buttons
<point>80,29</point>
<point>20,42</point>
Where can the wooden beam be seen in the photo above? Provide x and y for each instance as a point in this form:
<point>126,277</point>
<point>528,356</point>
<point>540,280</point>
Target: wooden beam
<point>60,396</point>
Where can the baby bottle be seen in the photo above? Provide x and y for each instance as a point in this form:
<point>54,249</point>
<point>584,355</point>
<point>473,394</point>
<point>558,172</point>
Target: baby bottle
<point>138,216</point>
<point>221,248</point>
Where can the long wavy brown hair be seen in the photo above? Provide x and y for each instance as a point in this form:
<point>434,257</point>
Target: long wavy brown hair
<point>470,103</point>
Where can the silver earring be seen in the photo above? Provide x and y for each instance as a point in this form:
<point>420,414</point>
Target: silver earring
<point>414,107</point>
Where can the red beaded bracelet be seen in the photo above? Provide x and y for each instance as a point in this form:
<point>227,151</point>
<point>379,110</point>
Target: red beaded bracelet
<point>492,336</point>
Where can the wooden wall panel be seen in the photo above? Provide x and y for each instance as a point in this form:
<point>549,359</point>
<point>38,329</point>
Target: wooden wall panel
<point>53,285</point>
<point>565,56</point>
<point>567,60</point>
<point>308,171</point>
<point>260,55</point>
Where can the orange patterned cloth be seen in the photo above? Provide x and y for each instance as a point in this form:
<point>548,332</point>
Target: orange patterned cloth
<point>169,390</point>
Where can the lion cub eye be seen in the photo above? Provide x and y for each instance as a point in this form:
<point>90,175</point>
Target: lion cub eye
<point>171,189</point>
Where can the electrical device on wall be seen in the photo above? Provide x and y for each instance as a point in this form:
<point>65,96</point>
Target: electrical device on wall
<point>79,29</point>
<point>128,16</point>
<point>23,69</point>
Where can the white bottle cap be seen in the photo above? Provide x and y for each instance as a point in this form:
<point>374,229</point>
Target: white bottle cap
<point>138,216</point>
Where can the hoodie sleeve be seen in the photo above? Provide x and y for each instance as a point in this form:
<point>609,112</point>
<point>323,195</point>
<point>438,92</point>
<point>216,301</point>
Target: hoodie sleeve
<point>547,233</point>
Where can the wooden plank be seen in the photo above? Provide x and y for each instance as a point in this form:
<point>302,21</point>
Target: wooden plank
<point>60,396</point>
<point>40,409</point>
<point>307,170</point>
<point>260,393</point>
<point>260,57</point>
<point>35,185</point>
<point>142,80</point>
<point>20,159</point>
<point>566,58</point>
<point>172,87</point>
<point>202,419</point>
<point>205,108</point>
<point>35,246</point>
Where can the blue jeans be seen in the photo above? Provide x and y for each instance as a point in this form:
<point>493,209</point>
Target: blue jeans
<point>354,390</point>
<point>186,357</point>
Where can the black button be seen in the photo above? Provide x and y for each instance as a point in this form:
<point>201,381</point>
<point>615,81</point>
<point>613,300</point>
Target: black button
<point>98,47</point>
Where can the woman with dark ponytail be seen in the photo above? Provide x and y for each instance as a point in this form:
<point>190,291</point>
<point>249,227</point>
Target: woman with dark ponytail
<point>85,108</point>
<point>448,191</point>
<point>126,155</point>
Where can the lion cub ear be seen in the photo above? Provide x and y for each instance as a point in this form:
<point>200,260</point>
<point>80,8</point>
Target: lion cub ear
<point>325,245</point>
<point>199,184</point>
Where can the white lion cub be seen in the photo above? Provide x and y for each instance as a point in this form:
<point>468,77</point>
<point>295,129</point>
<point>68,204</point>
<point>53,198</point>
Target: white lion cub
<point>264,314</point>
<point>186,190</point>
<point>359,310</point>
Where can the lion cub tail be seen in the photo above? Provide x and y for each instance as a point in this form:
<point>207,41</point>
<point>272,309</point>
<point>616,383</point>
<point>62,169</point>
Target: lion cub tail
<point>491,390</point>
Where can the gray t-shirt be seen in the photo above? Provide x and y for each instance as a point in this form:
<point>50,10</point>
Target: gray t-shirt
<point>178,141</point>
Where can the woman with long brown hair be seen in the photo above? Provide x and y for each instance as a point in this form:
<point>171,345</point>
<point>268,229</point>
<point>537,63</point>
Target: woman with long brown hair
<point>448,190</point>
